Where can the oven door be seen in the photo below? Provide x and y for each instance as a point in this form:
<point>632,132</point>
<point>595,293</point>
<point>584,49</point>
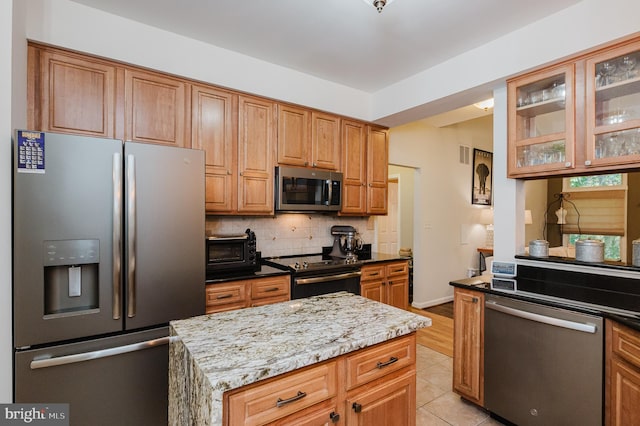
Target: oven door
<point>314,285</point>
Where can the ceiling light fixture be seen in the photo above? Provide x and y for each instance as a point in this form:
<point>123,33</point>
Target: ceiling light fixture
<point>484,105</point>
<point>378,4</point>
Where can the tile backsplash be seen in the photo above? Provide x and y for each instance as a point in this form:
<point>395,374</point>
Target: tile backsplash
<point>287,234</point>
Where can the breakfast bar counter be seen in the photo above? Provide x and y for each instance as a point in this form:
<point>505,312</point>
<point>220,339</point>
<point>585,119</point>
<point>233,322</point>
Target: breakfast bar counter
<point>212,354</point>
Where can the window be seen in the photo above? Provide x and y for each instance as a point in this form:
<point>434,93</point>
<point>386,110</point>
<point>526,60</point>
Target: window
<point>598,211</point>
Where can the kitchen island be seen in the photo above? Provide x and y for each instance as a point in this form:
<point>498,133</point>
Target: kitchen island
<point>213,354</point>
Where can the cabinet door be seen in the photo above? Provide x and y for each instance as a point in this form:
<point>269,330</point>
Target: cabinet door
<point>294,136</point>
<point>354,167</point>
<point>622,379</point>
<point>468,342</point>
<point>213,130</point>
<point>323,414</point>
<point>256,155</point>
<point>372,290</point>
<point>613,107</point>
<point>541,122</point>
<point>391,402</point>
<point>377,170</point>
<point>398,292</point>
<point>325,141</point>
<point>76,95</point>
<point>156,108</point>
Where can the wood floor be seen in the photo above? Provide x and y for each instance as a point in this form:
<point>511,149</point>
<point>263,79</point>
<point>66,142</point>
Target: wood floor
<point>439,336</point>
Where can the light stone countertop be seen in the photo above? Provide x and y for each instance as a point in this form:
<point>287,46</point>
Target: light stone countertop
<point>218,352</point>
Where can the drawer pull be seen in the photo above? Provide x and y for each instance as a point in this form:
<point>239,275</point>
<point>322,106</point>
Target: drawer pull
<point>269,290</point>
<point>374,274</point>
<point>224,296</point>
<point>281,402</point>
<point>384,364</point>
<point>334,417</point>
<point>357,407</point>
<point>398,270</point>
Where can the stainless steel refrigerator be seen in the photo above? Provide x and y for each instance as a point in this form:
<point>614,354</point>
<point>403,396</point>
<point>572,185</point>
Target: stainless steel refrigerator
<point>107,249</point>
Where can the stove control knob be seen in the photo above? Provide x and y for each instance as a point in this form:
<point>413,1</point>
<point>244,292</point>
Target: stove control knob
<point>296,266</point>
<point>305,265</point>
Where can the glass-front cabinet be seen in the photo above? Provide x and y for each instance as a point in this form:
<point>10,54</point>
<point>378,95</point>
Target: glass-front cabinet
<point>541,121</point>
<point>613,107</point>
<point>579,116</point>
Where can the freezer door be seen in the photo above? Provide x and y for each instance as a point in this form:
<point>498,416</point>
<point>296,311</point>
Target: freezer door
<point>113,381</point>
<point>164,234</point>
<point>63,286</point>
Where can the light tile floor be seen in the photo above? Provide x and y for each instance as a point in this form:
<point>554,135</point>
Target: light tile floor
<point>436,404</point>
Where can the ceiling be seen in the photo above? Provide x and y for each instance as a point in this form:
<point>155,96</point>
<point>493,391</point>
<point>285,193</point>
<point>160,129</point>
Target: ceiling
<point>343,41</point>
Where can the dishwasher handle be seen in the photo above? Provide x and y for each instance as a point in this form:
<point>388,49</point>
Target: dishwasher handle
<point>572,325</point>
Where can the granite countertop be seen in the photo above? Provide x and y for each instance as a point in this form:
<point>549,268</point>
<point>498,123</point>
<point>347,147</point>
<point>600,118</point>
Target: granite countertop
<point>218,352</point>
<point>265,271</point>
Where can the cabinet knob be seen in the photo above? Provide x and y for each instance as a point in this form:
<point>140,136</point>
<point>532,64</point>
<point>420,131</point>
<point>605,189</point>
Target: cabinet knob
<point>357,407</point>
<point>334,417</point>
<point>228,172</point>
<point>306,163</point>
<point>364,184</point>
<point>370,185</point>
<point>587,163</point>
<point>567,164</point>
<point>240,173</point>
<point>474,300</point>
<point>315,164</point>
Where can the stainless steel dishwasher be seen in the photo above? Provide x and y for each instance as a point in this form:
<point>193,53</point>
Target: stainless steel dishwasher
<point>543,365</point>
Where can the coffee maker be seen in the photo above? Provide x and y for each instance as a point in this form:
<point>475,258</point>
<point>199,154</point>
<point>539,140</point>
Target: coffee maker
<point>346,241</point>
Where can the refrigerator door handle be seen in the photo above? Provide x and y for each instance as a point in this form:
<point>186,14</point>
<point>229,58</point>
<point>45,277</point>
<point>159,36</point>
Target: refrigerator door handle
<point>87,356</point>
<point>116,307</point>
<point>131,236</point>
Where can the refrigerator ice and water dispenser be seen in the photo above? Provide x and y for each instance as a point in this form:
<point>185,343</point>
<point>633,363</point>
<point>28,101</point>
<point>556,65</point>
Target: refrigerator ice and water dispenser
<point>71,278</point>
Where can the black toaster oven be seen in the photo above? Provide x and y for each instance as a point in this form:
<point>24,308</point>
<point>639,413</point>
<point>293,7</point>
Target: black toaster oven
<point>226,254</point>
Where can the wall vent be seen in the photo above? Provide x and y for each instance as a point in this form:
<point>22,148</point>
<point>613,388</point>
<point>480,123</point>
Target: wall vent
<point>465,154</point>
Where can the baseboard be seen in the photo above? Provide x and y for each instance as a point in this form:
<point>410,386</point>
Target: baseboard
<point>430,303</point>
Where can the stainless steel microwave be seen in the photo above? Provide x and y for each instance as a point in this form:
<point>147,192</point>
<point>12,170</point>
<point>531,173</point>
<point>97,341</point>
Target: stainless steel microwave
<point>306,190</point>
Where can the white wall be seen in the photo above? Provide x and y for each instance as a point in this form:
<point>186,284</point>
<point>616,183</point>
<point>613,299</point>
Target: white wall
<point>446,228</point>
<point>406,179</point>
<point>471,76</point>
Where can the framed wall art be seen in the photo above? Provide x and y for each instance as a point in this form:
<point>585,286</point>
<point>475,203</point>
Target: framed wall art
<point>481,190</point>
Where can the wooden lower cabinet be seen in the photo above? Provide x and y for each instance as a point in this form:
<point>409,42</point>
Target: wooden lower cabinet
<point>375,386</point>
<point>387,283</point>
<point>468,345</point>
<point>240,294</point>
<point>622,375</point>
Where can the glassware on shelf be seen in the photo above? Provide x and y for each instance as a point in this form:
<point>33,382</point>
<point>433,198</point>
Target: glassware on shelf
<point>617,144</point>
<point>628,64</point>
<point>606,73</point>
<point>541,154</point>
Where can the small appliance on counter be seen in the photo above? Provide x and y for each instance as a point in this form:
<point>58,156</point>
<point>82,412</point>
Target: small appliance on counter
<point>231,253</point>
<point>346,242</point>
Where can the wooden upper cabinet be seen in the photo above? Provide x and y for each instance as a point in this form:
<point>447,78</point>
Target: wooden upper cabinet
<point>577,117</point>
<point>256,155</point>
<point>213,129</point>
<point>294,136</point>
<point>308,139</point>
<point>354,167</point>
<point>70,94</point>
<point>377,170</point>
<point>325,141</point>
<point>156,109</point>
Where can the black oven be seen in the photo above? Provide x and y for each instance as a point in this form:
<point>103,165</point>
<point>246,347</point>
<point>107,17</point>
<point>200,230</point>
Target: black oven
<point>231,253</point>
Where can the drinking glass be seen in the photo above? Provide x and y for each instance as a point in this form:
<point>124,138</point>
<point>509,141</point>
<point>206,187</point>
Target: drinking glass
<point>607,69</point>
<point>628,64</point>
